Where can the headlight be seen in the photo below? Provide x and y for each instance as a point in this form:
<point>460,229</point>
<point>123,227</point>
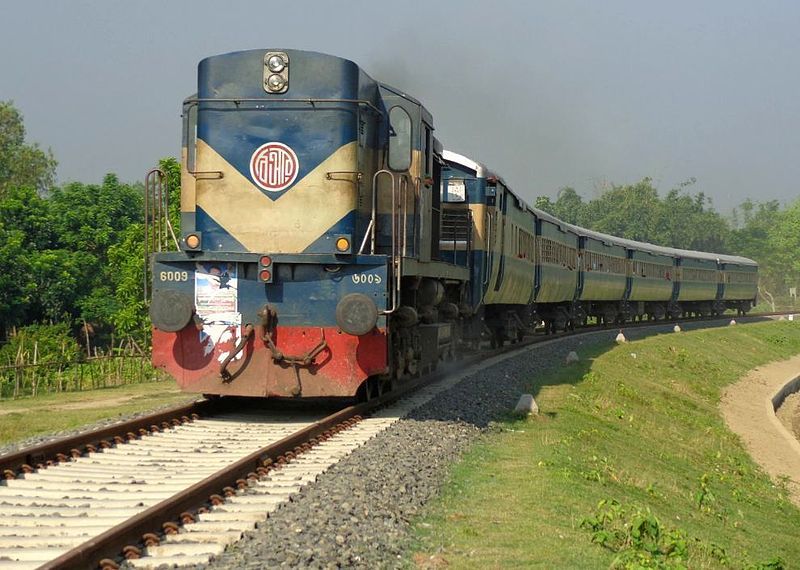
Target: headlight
<point>275,82</point>
<point>192,241</point>
<point>171,310</point>
<point>276,64</point>
<point>276,72</point>
<point>342,244</point>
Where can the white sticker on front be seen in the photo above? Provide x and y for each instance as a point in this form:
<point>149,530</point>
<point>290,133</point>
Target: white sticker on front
<point>216,303</point>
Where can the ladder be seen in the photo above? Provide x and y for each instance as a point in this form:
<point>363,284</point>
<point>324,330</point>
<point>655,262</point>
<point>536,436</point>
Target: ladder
<point>158,233</point>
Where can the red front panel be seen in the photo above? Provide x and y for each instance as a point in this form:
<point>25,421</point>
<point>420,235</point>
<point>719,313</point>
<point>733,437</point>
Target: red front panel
<point>193,358</point>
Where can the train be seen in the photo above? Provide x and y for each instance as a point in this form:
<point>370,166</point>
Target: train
<point>331,247</point>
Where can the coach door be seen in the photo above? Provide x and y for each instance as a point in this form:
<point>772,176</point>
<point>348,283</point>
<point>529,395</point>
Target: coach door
<point>502,203</point>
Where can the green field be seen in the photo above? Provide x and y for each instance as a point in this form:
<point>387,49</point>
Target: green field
<point>51,413</point>
<point>629,465</point>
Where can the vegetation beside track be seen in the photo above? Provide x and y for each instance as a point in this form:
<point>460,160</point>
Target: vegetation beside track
<point>629,465</point>
<point>50,413</point>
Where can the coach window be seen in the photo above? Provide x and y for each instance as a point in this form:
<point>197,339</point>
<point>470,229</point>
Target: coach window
<point>399,139</point>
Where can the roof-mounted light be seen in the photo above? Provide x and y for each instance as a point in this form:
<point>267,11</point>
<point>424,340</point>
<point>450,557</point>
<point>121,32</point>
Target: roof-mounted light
<point>276,72</point>
<point>276,64</point>
<point>275,82</point>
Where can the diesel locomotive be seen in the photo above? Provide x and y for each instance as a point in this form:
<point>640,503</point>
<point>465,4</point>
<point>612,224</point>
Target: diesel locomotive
<point>330,246</point>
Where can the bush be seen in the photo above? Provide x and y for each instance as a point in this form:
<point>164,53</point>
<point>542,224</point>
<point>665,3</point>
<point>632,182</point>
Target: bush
<point>49,344</point>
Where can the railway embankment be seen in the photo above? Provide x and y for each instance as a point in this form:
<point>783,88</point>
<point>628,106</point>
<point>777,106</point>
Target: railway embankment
<point>629,464</point>
<point>588,447</point>
<point>361,512</point>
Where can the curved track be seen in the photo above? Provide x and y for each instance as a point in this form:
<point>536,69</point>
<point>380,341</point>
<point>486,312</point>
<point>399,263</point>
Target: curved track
<point>215,476</point>
<point>53,510</point>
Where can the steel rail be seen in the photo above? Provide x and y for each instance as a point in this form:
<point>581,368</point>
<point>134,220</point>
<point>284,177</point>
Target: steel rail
<point>110,544</point>
<point>25,460</point>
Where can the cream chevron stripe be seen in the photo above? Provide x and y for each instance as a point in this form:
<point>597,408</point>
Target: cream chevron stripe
<point>286,225</point>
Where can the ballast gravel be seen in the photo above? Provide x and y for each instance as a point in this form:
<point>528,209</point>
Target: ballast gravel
<point>358,514</point>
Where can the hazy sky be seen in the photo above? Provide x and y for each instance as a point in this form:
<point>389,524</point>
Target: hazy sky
<point>548,94</point>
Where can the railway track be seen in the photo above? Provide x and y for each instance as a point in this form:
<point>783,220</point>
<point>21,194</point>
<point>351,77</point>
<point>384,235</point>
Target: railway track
<point>179,486</point>
<point>51,511</point>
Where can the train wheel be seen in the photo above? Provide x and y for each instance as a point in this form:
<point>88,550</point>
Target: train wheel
<point>363,392</point>
<point>497,339</point>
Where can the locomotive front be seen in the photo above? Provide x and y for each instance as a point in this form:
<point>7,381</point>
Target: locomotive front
<point>269,295</point>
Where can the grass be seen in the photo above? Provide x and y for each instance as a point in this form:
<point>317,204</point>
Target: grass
<point>781,304</point>
<point>50,413</point>
<point>629,466</point>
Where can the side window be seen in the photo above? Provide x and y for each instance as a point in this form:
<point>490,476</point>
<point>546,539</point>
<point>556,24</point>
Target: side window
<point>399,139</point>
<point>454,190</point>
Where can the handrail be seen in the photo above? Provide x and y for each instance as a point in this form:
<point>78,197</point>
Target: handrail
<point>404,192</point>
<point>469,246</point>
<point>311,101</point>
<point>397,258</point>
<point>489,248</point>
<point>366,236</point>
<point>371,232</point>
<point>157,227</point>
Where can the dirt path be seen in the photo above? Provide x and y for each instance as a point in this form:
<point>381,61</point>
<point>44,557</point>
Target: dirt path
<point>747,409</point>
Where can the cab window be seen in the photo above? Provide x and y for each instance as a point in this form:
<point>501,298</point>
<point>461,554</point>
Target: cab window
<point>399,139</point>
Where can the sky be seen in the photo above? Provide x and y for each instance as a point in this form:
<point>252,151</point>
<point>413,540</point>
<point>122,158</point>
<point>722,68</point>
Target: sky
<point>547,94</point>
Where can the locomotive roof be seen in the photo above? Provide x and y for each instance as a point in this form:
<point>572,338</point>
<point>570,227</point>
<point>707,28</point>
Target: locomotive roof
<point>609,239</point>
<point>399,93</point>
<point>661,250</point>
<point>450,156</point>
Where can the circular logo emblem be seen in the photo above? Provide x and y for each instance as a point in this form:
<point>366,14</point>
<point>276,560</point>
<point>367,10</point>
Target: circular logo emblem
<point>274,166</point>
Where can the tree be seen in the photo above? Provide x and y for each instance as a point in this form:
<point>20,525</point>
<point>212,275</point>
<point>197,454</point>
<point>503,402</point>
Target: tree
<point>753,236</point>
<point>784,244</point>
<point>127,258</point>
<point>16,284</point>
<point>92,218</point>
<point>688,222</point>
<point>172,171</point>
<point>22,164</point>
<point>545,204</point>
<point>22,209</point>
<point>61,278</point>
<point>636,211</point>
<point>570,207</point>
<point>630,211</point>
